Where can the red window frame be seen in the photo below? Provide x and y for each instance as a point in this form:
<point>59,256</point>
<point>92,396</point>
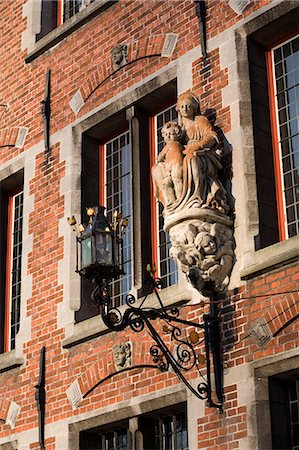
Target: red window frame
<point>59,12</point>
<point>9,269</point>
<point>278,175</point>
<point>275,145</point>
<point>8,274</point>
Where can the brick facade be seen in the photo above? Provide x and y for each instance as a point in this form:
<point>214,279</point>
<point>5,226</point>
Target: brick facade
<point>264,284</point>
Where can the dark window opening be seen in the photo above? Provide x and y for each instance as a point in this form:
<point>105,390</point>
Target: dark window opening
<point>165,429</point>
<point>284,410</point>
<point>49,17</point>
<point>114,437</point>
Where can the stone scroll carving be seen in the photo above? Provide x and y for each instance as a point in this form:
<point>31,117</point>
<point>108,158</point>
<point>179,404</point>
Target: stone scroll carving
<point>186,182</point>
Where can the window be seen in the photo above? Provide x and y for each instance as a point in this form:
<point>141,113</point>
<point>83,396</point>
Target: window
<point>284,410</point>
<point>283,62</point>
<point>11,260</point>
<point>171,432</point>
<point>273,70</point>
<point>57,12</point>
<point>13,269</point>
<point>167,268</point>
<point>72,7</point>
<point>116,173</point>
<point>98,439</point>
<point>115,194</point>
<point>160,430</point>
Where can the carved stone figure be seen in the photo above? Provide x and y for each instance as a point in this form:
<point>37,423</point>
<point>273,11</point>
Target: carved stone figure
<point>168,172</point>
<point>186,182</point>
<point>204,251</point>
<point>122,355</point>
<point>119,56</point>
<point>202,162</point>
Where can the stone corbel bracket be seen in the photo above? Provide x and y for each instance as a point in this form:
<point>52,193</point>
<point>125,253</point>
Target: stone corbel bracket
<point>203,245</point>
<point>9,412</point>
<point>157,45</point>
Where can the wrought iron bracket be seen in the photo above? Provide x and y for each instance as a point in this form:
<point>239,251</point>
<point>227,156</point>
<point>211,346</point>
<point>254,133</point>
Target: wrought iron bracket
<point>46,114</point>
<point>200,11</point>
<point>185,356</point>
<point>40,397</point>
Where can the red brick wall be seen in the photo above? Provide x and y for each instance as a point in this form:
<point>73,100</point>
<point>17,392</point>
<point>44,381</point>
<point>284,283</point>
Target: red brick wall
<point>72,62</point>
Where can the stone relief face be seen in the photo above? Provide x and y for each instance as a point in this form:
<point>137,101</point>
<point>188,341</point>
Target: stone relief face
<point>119,55</point>
<point>122,355</point>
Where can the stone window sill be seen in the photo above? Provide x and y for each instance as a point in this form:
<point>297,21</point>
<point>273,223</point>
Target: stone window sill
<point>95,327</point>
<point>274,256</point>
<point>9,361</point>
<point>68,27</point>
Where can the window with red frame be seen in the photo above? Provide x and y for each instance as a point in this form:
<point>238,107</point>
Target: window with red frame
<point>117,175</point>
<point>167,268</point>
<point>11,261</point>
<point>283,71</point>
<point>115,194</point>
<point>273,70</point>
<point>56,12</point>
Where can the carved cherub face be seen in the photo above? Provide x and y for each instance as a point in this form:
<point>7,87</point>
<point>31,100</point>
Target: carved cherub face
<point>118,54</point>
<point>171,131</point>
<point>208,245</point>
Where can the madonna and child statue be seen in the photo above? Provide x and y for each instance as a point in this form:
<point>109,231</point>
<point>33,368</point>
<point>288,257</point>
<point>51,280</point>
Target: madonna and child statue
<point>186,182</point>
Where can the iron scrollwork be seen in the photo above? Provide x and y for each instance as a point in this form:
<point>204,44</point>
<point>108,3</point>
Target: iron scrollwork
<point>184,356</point>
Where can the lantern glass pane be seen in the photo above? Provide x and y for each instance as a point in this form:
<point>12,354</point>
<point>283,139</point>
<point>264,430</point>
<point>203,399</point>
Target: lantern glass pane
<point>104,249</point>
<point>86,257</point>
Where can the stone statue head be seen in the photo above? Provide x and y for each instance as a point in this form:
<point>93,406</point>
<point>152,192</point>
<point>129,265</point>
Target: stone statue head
<point>171,131</point>
<point>122,355</point>
<point>119,56</point>
<point>188,105</point>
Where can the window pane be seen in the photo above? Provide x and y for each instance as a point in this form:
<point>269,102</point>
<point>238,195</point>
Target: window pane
<point>167,267</point>
<point>171,432</point>
<point>118,197</point>
<point>286,68</point>
<point>15,266</point>
<point>72,7</point>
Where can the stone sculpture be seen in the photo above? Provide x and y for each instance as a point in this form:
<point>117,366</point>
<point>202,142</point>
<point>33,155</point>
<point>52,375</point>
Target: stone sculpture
<point>119,56</point>
<point>122,355</point>
<point>168,172</point>
<point>186,181</point>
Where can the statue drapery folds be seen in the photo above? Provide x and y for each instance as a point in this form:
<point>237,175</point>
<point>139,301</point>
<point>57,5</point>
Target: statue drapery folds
<point>186,181</point>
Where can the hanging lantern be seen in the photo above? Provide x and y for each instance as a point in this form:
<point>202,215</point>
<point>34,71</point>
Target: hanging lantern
<point>99,247</point>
